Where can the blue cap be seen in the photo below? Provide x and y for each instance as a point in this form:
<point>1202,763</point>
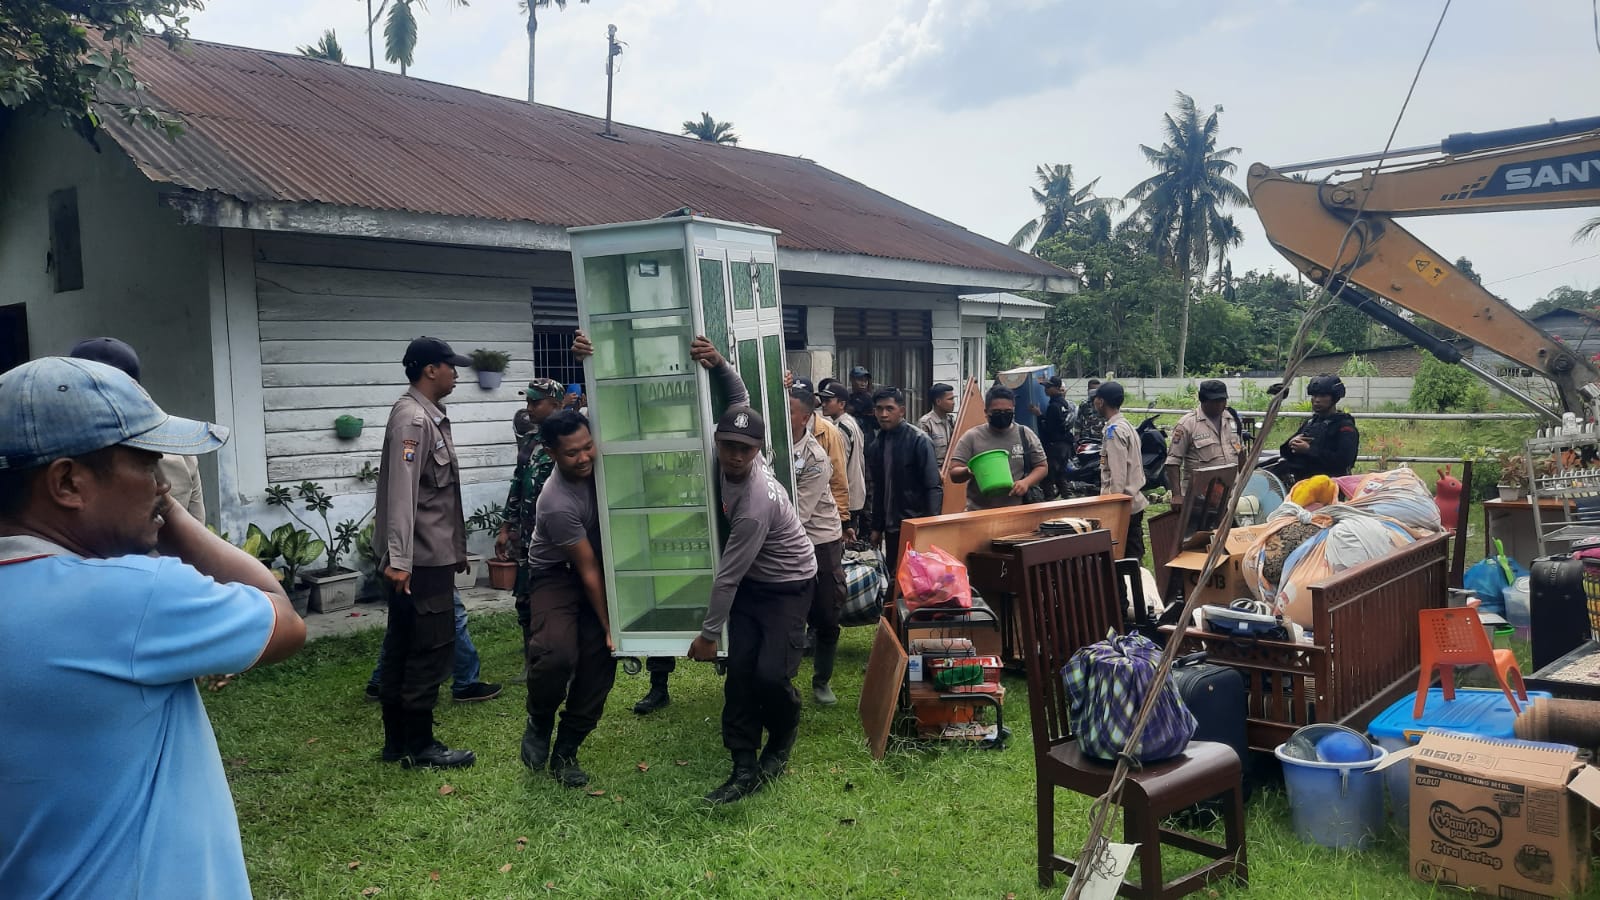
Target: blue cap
<point>57,407</point>
<point>575,389</point>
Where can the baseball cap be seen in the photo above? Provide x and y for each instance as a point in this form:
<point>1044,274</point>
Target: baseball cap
<point>114,353</point>
<point>57,407</point>
<point>543,389</point>
<point>1110,392</point>
<point>860,372</point>
<point>1053,382</point>
<point>1211,389</point>
<point>802,391</point>
<point>832,390</point>
<point>744,425</point>
<point>427,351</point>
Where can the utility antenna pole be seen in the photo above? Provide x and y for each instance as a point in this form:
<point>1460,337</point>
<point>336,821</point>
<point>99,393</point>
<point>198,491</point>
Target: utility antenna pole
<point>613,50</point>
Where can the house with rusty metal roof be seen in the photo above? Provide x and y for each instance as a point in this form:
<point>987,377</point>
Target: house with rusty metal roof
<point>271,263</point>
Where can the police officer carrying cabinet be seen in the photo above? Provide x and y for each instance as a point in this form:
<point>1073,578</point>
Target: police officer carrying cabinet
<point>1327,443</point>
<point>421,538</point>
<point>1204,438</point>
<point>761,593</point>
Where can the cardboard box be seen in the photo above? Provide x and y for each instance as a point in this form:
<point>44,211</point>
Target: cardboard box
<point>1227,583</point>
<point>1510,818</point>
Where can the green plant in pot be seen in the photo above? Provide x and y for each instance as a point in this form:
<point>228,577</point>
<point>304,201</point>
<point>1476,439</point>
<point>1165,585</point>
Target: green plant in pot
<point>502,572</point>
<point>333,587</point>
<point>298,548</point>
<point>1513,482</point>
<point>490,366</point>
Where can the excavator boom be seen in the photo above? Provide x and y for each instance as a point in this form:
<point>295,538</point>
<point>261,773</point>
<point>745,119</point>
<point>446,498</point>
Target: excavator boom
<point>1307,222</point>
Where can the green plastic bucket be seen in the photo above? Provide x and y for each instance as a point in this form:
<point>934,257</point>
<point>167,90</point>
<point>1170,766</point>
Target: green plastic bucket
<point>992,470</point>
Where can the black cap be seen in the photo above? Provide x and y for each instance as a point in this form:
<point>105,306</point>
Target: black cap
<point>802,391</point>
<point>110,351</point>
<point>1211,389</point>
<point>832,390</point>
<point>860,372</point>
<point>1274,389</point>
<point>803,383</point>
<point>1111,393</point>
<point>744,425</point>
<point>426,351</point>
<point>1053,382</point>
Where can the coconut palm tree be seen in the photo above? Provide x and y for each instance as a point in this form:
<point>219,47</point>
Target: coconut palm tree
<point>1065,205</point>
<point>1186,195</point>
<point>1586,231</point>
<point>531,8</point>
<point>709,129</point>
<point>327,47</point>
<point>399,30</point>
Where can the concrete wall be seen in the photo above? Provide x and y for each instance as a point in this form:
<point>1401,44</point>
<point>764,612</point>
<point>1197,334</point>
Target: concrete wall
<point>145,277</point>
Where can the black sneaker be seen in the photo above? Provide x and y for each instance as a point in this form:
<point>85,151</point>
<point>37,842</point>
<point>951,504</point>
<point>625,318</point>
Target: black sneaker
<point>772,765</point>
<point>372,693</point>
<point>478,690</point>
<point>438,756</point>
<point>565,769</point>
<point>657,698</point>
<point>744,781</point>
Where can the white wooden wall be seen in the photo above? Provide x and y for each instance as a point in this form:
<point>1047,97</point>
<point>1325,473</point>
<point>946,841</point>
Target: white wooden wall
<point>335,318</point>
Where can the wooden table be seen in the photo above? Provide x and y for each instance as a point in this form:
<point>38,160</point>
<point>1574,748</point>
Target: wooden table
<point>1512,522</point>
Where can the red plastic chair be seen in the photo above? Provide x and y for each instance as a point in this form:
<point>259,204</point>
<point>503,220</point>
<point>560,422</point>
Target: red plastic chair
<point>1455,637</point>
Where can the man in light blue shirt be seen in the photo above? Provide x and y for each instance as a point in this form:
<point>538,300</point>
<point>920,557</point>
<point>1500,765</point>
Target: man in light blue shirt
<point>110,779</point>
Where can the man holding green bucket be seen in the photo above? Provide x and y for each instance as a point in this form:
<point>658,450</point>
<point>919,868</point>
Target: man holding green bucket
<point>999,461</point>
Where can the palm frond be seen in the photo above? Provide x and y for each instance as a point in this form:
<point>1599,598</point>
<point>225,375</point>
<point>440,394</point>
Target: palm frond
<point>327,47</point>
<point>400,34</point>
<point>1586,231</point>
<point>1024,234</point>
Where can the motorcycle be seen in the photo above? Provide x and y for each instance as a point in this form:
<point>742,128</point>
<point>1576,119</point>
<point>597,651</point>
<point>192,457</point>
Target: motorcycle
<point>1152,453</point>
<point>1082,472</point>
<point>1081,476</point>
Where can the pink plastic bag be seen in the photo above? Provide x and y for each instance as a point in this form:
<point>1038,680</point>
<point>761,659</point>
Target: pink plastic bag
<point>934,579</point>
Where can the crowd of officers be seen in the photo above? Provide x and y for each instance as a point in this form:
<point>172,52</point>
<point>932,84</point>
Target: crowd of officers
<point>860,470</point>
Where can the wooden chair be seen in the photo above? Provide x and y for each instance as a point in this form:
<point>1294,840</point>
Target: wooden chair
<point>1071,601</point>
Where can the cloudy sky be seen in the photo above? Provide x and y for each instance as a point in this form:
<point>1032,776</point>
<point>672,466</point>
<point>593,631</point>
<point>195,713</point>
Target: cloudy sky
<point>950,104</point>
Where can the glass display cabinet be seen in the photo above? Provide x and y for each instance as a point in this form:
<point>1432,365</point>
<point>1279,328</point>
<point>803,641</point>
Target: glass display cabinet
<point>645,289</point>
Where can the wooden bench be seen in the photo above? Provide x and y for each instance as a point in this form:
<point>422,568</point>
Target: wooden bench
<point>1364,655</point>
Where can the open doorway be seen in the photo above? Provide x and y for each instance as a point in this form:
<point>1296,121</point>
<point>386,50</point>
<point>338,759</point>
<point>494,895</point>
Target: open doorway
<point>13,335</point>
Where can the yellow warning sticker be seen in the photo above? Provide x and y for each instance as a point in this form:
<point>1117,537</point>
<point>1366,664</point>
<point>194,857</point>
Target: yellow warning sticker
<point>1431,271</point>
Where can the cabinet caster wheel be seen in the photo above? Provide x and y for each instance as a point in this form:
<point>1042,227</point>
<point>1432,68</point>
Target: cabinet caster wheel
<point>721,667</point>
<point>632,665</point>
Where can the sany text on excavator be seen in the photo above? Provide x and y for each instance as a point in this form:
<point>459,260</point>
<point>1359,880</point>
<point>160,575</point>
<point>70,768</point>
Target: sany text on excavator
<point>1538,167</point>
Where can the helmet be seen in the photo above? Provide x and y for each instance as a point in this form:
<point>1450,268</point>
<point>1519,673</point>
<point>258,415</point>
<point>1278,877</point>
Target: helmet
<point>1326,385</point>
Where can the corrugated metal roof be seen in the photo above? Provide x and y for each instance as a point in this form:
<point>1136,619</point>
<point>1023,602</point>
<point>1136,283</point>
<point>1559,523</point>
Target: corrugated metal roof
<point>264,126</point>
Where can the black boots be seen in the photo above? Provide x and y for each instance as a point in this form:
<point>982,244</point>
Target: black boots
<point>822,674</point>
<point>408,739</point>
<point>564,762</point>
<point>744,781</point>
<point>656,698</point>
<point>536,741</point>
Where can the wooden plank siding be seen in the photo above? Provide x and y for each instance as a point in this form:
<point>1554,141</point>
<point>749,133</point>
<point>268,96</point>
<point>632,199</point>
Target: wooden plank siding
<point>335,316</point>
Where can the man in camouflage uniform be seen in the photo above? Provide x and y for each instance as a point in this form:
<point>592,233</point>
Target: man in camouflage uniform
<point>534,465</point>
<point>1090,425</point>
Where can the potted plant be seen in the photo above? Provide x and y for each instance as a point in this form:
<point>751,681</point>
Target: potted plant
<point>484,518</point>
<point>333,587</point>
<point>299,548</point>
<point>490,366</point>
<point>1513,483</point>
<point>502,572</point>
<point>348,427</point>
<point>367,564</point>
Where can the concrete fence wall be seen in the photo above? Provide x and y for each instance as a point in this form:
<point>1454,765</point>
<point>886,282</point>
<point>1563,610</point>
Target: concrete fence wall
<point>1360,393</point>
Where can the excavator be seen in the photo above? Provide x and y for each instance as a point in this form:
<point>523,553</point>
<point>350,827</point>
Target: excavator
<point>1343,234</point>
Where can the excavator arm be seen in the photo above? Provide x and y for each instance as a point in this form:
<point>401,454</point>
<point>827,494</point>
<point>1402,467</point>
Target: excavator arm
<point>1307,223</point>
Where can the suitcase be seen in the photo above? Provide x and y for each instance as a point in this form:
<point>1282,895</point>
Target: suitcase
<point>1558,610</point>
<point>1215,696</point>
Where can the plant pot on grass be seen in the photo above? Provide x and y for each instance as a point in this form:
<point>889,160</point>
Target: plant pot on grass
<point>502,574</point>
<point>490,366</point>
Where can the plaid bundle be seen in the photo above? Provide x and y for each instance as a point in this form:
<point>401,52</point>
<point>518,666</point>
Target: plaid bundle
<point>1107,682</point>
<point>864,586</point>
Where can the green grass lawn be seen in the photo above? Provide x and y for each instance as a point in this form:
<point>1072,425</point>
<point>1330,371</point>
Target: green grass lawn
<point>322,817</point>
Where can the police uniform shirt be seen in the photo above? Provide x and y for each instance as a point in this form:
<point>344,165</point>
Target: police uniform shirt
<point>1120,462</point>
<point>814,500</point>
<point>418,519</point>
<point>1198,443</point>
